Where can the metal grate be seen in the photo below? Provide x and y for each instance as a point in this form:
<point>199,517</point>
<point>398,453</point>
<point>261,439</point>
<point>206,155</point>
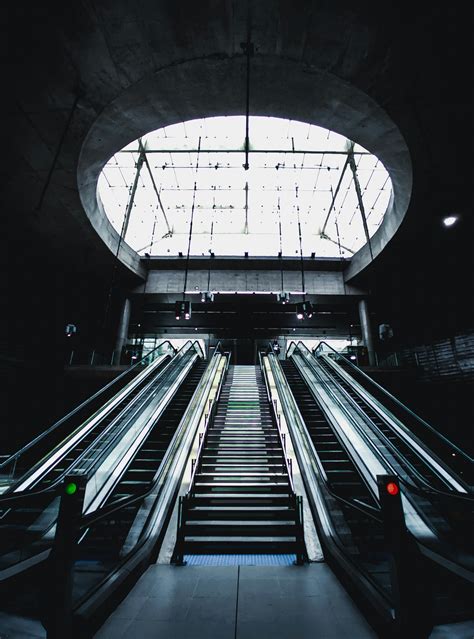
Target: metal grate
<point>240,560</point>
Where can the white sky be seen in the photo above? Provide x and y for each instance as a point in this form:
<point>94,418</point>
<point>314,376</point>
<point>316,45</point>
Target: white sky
<point>221,222</point>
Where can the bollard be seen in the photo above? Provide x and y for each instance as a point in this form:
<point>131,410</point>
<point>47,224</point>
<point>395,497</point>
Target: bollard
<point>58,621</point>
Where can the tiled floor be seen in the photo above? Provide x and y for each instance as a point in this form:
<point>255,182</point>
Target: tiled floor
<point>232,602</point>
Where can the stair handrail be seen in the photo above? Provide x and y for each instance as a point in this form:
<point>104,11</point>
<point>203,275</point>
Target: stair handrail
<point>82,405</point>
<point>277,418</point>
<point>392,397</point>
<point>26,494</point>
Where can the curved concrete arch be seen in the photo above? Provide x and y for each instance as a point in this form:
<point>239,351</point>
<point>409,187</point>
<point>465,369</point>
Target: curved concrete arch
<point>215,85</point>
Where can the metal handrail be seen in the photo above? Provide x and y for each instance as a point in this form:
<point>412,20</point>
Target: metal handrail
<point>22,495</point>
<point>418,478</point>
<point>421,490</point>
<point>75,410</point>
<point>278,425</point>
<point>393,398</point>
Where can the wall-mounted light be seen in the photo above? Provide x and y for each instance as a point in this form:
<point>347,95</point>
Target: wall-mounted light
<point>450,220</point>
<point>182,310</point>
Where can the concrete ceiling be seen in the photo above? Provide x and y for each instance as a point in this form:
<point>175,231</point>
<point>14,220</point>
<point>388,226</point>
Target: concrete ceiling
<point>91,72</point>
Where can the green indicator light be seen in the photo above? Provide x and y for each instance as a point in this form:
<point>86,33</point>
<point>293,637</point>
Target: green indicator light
<point>71,488</point>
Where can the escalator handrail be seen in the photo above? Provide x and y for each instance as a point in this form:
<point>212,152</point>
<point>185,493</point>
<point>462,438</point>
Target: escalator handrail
<point>111,444</point>
<point>52,488</point>
<point>355,425</point>
<point>355,504</point>
<point>417,477</point>
<point>124,502</point>
<point>75,410</point>
<point>393,398</point>
<point>412,486</point>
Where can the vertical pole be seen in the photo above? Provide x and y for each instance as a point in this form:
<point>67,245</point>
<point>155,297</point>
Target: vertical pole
<point>122,332</point>
<point>366,330</point>
<point>58,620</point>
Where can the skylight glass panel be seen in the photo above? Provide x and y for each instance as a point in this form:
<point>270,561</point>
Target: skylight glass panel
<point>197,171</point>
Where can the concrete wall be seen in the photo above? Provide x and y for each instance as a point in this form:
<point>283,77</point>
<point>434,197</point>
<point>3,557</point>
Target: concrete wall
<point>316,282</point>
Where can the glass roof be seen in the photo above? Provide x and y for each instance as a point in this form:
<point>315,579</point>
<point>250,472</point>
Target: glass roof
<point>192,174</point>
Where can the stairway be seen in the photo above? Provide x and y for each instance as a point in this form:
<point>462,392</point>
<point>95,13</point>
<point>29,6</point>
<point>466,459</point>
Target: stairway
<point>241,501</point>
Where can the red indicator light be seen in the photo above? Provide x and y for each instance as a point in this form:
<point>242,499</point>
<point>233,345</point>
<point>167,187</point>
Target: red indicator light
<point>392,488</point>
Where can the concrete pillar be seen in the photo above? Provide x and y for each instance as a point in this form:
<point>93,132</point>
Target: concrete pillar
<point>122,332</point>
<point>366,330</point>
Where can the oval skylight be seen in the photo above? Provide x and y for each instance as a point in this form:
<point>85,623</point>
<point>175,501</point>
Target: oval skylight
<point>300,177</point>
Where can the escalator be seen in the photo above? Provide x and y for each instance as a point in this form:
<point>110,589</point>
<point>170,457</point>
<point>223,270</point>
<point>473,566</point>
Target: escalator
<point>118,539</point>
<point>102,448</point>
<point>361,534</point>
<point>86,448</point>
<point>241,500</point>
<point>102,544</point>
<point>437,507</point>
<point>23,469</point>
<point>402,447</point>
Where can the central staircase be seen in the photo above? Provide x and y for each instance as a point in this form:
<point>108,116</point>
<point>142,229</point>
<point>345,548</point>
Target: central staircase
<point>241,501</point>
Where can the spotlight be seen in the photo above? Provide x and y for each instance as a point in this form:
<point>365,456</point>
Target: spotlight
<point>304,310</point>
<point>182,309</point>
<point>207,296</point>
<point>283,297</point>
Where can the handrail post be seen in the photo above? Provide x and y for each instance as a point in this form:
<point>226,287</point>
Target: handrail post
<point>300,545</point>
<point>410,591</point>
<point>178,557</point>
<point>58,619</point>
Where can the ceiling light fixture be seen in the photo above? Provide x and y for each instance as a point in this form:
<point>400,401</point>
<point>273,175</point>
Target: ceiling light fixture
<point>304,310</point>
<point>207,296</point>
<point>182,309</point>
<point>283,297</point>
<point>450,220</point>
